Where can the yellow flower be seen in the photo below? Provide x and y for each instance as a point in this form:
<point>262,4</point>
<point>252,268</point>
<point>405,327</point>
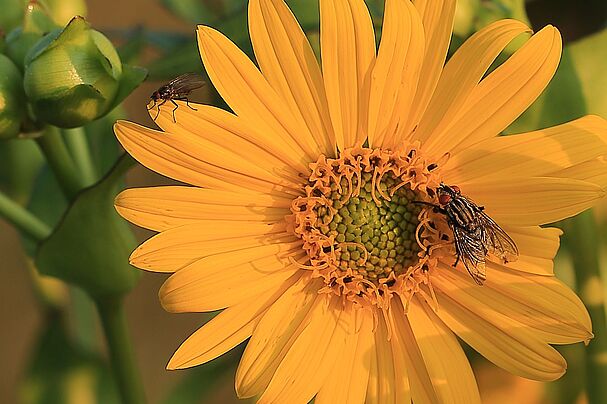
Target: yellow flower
<point>303,221</point>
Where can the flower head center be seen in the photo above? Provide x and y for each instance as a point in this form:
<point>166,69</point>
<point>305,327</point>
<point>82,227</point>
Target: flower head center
<point>375,237</point>
<point>360,221</point>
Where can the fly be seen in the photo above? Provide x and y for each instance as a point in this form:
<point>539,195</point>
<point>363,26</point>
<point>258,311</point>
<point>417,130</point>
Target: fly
<point>475,234</point>
<point>177,89</point>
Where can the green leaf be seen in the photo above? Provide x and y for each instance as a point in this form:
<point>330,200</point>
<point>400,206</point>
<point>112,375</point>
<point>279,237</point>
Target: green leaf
<point>59,371</point>
<point>91,245</point>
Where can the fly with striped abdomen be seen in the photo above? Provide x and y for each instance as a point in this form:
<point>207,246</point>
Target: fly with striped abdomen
<point>475,234</point>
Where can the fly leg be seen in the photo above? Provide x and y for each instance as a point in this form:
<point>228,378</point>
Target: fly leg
<point>437,208</point>
<point>159,105</point>
<point>174,109</point>
<point>457,257</point>
<point>189,106</point>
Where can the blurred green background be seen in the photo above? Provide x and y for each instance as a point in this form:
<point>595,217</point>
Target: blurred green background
<point>159,35</point>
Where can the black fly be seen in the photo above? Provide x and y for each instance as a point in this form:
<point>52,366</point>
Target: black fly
<point>475,234</point>
<point>177,89</point>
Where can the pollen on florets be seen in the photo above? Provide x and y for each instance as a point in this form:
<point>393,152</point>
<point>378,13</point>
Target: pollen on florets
<point>363,228</point>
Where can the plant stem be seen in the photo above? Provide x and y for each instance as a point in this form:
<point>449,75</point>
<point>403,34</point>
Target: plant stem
<point>583,240</point>
<point>23,219</point>
<point>81,153</point>
<point>60,161</point>
<point>84,319</point>
<point>113,319</point>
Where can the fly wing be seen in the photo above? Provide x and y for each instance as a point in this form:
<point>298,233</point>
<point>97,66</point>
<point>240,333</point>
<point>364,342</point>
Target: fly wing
<point>496,240</point>
<point>184,84</point>
<point>471,251</point>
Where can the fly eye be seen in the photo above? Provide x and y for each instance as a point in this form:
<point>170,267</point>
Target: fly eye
<point>456,189</point>
<point>444,199</point>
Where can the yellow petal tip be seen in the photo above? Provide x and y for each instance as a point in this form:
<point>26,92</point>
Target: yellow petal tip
<point>173,365</point>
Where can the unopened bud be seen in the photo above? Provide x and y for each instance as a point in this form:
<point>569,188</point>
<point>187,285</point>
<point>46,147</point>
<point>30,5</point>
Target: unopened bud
<point>72,75</point>
<point>12,99</point>
<point>36,22</point>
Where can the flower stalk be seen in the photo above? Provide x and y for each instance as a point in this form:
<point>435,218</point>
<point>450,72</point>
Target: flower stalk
<point>78,146</point>
<point>22,219</point>
<point>583,240</point>
<point>113,319</point>
<point>53,147</point>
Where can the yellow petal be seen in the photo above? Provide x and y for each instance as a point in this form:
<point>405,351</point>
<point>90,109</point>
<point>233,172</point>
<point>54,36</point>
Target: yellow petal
<point>537,247</point>
<point>462,74</point>
<point>347,382</point>
<point>529,264</point>
<point>226,330</point>
<point>594,171</point>
<point>542,242</point>
<point>162,208</point>
<point>373,381</point>
<point>540,303</point>
<point>289,64</point>
<point>248,93</point>
<point>274,336</point>
<point>383,385</point>
<point>437,18</point>
<point>348,53</point>
<point>516,349</point>
<point>307,363</point>
<point>535,200</point>
<point>504,94</point>
<point>401,374</point>
<point>222,280</point>
<point>396,72</point>
<point>219,126</point>
<point>452,378</point>
<point>197,161</point>
<point>536,153</point>
<point>422,390</point>
<point>176,248</point>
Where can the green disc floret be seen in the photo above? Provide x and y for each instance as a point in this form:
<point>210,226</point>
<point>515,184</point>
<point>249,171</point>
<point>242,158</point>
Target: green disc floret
<point>379,238</point>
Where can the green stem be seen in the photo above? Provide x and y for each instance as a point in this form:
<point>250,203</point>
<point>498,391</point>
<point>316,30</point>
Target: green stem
<point>81,153</point>
<point>84,319</point>
<point>113,319</point>
<point>23,219</point>
<point>60,161</point>
<point>583,241</point>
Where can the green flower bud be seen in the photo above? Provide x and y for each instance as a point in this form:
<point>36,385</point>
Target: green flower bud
<point>36,23</point>
<point>12,99</point>
<point>72,76</point>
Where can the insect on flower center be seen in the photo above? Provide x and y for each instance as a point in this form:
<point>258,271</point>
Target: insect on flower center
<point>360,221</point>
